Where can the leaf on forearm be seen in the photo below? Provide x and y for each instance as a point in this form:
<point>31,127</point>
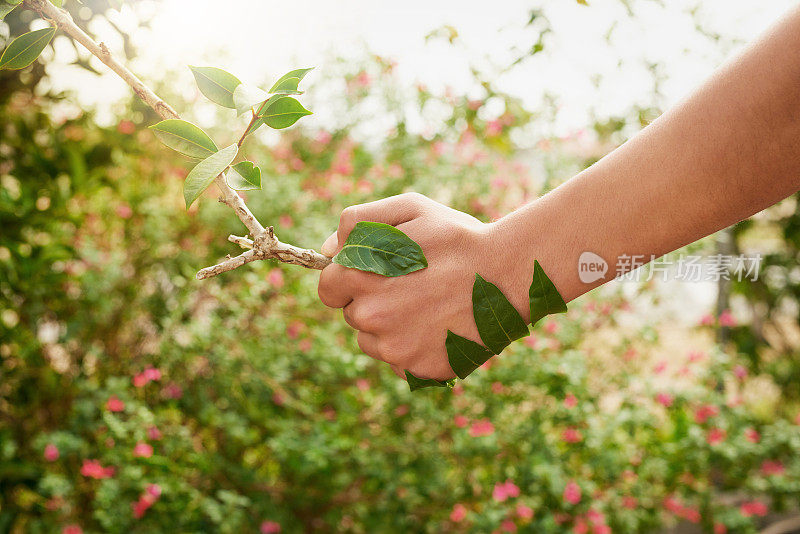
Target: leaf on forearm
<point>185,138</point>
<point>246,96</point>
<point>498,322</point>
<point>297,73</point>
<point>382,249</point>
<point>544,297</point>
<point>204,173</point>
<point>284,112</point>
<point>25,49</point>
<point>287,87</point>
<point>216,84</point>
<point>7,6</point>
<point>465,355</point>
<point>415,383</point>
<point>243,176</point>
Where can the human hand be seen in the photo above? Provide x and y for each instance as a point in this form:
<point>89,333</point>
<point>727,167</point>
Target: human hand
<point>403,320</point>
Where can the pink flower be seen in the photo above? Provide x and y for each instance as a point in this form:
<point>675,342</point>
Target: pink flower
<point>726,319</point>
<point>704,412</point>
<point>660,367</point>
<point>458,514</point>
<point>508,526</point>
<point>113,404</point>
<point>363,79</point>
<point>275,278</point>
<point>551,327</point>
<point>524,512</point>
<point>629,502</point>
<point>152,374</point>
<point>270,527</point>
<point>140,507</point>
<point>154,490</point>
<point>124,211</point>
<point>505,490</point>
<point>401,410</point>
<point>664,399</point>
<point>153,433</point>
<point>772,467</point>
<point>93,469</point>
<point>571,435</point>
<point>716,436</point>
<point>690,514</point>
<point>362,384</point>
<point>707,320</point>
<point>172,391</point>
<point>595,517</point>
<point>696,356</point>
<point>601,529</point>
<point>497,388</point>
<point>530,341</point>
<point>752,435</point>
<point>570,401</point>
<point>719,528</point>
<point>51,453</point>
<point>740,371</point>
<point>494,128</point>
<point>752,508</point>
<point>294,328</point>
<point>581,526</point>
<point>460,421</point>
<point>139,380</point>
<point>143,450</point>
<point>484,427</point>
<point>72,529</point>
<point>572,493</point>
<point>323,137</point>
<point>305,345</point>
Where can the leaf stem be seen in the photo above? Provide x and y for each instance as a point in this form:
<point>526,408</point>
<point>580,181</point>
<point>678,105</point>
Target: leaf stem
<point>252,121</point>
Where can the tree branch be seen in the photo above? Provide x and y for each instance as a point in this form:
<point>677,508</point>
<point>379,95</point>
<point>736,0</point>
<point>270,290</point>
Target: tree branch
<point>265,244</point>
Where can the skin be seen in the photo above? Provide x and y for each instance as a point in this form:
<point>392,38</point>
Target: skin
<point>729,150</point>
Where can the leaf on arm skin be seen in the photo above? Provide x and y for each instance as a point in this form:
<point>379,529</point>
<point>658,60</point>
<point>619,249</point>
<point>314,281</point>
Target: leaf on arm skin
<point>25,49</point>
<point>243,176</point>
<point>465,355</point>
<point>498,322</point>
<point>184,137</point>
<point>382,249</point>
<point>216,84</point>
<point>544,297</point>
<point>297,73</point>
<point>204,173</point>
<point>415,383</point>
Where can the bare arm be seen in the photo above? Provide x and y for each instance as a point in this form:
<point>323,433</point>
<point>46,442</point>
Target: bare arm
<point>728,151</point>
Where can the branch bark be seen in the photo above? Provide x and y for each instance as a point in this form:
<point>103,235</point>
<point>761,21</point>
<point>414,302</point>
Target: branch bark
<point>265,244</point>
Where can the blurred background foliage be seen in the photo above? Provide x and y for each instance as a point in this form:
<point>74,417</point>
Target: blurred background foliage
<point>134,398</point>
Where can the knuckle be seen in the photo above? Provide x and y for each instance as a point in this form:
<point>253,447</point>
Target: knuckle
<point>349,216</point>
<point>414,198</point>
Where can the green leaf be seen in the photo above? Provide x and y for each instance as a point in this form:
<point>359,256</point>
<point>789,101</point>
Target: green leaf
<point>246,96</point>
<point>284,112</point>
<point>204,173</point>
<point>57,3</point>
<point>297,73</point>
<point>415,383</point>
<point>25,49</point>
<point>544,297</point>
<point>498,322</point>
<point>244,176</point>
<point>185,138</point>
<point>465,355</point>
<point>216,84</point>
<point>381,248</point>
<point>287,87</point>
<point>260,112</point>
<point>7,6</point>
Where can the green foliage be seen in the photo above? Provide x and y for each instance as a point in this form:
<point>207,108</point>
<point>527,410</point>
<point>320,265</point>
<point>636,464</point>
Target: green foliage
<point>184,137</point>
<point>243,176</point>
<point>283,112</point>
<point>246,96</point>
<point>382,249</point>
<point>24,50</point>
<point>7,6</point>
<point>216,84</point>
<point>282,83</point>
<point>498,322</point>
<point>543,295</point>
<point>201,176</point>
<point>465,355</point>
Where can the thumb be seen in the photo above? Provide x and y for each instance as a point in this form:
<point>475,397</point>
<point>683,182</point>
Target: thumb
<point>392,210</point>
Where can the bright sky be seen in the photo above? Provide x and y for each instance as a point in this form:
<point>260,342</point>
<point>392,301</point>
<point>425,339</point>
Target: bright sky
<point>258,39</point>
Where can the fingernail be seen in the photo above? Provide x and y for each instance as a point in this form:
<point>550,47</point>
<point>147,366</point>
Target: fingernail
<point>329,246</point>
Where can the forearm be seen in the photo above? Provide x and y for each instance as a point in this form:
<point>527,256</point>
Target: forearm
<point>728,151</point>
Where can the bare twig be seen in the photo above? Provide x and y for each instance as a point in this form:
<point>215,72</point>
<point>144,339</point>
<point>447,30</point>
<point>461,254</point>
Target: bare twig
<point>264,244</point>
